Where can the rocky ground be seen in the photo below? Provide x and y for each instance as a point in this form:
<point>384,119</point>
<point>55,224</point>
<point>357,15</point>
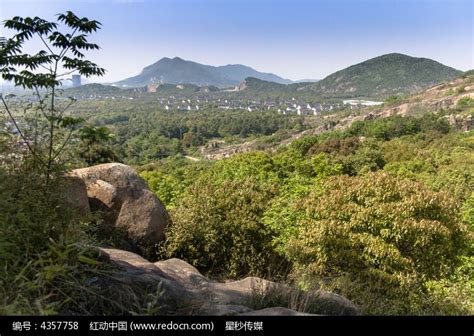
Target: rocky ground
<point>187,291</point>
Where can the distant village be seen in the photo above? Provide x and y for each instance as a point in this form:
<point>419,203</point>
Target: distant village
<point>200,100</point>
<point>283,106</point>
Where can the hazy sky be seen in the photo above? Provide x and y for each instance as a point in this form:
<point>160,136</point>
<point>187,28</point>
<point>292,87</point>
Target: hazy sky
<point>292,38</point>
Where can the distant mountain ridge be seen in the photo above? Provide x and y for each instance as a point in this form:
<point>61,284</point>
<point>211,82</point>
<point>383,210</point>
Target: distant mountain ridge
<point>379,77</point>
<point>179,71</point>
<point>385,75</point>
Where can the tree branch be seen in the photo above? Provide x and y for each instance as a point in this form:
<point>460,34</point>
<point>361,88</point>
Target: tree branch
<point>48,69</point>
<point>65,108</point>
<point>46,44</point>
<point>66,73</point>
<point>65,50</point>
<point>59,151</point>
<point>32,151</point>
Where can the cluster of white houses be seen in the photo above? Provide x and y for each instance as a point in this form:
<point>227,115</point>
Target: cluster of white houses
<point>185,103</point>
<point>286,106</point>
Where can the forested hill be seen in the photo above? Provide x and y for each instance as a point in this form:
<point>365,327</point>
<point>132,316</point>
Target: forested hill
<point>384,76</point>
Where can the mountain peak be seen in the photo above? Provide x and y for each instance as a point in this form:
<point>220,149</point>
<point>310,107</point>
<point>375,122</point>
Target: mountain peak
<point>385,75</point>
<point>168,59</point>
<point>180,71</point>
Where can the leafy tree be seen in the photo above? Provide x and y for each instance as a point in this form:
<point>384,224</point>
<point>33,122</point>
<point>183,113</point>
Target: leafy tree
<point>343,146</point>
<point>279,216</point>
<point>94,147</point>
<point>50,128</point>
<point>192,139</point>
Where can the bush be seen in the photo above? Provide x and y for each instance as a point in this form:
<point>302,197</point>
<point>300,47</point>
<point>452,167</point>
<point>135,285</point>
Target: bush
<point>169,178</point>
<point>279,217</point>
<point>257,164</point>
<point>343,146</point>
<point>217,223</point>
<point>376,232</point>
<point>465,102</point>
<point>45,258</point>
<point>367,158</point>
<point>218,227</point>
<point>392,100</point>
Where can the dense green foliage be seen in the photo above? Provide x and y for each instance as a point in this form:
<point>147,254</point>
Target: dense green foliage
<point>48,241</point>
<point>220,228</point>
<point>94,147</point>
<point>145,133</point>
<point>169,179</point>
<point>375,229</point>
<point>377,212</point>
<point>230,199</point>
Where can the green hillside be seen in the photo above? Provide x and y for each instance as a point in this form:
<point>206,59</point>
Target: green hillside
<point>384,76</point>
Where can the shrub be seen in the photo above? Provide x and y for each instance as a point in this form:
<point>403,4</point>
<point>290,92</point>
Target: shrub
<point>343,146</point>
<point>465,102</point>
<point>279,217</point>
<point>257,164</point>
<point>461,89</point>
<point>169,178</point>
<point>379,233</point>
<point>218,227</point>
<point>45,259</point>
<point>367,158</point>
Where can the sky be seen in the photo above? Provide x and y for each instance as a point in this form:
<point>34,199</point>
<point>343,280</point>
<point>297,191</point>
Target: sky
<point>295,39</point>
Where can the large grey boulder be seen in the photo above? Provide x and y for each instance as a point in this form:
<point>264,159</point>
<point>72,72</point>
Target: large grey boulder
<point>186,291</point>
<point>125,201</point>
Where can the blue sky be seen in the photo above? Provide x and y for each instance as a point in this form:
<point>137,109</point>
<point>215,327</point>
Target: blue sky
<point>292,38</point>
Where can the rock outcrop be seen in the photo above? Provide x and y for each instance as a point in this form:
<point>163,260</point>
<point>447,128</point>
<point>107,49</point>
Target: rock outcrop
<point>186,291</point>
<point>126,203</point>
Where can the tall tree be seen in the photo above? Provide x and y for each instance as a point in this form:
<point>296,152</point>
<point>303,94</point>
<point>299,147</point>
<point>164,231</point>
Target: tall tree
<point>46,129</point>
<point>94,147</point>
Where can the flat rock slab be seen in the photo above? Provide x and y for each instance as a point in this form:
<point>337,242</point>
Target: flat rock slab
<point>187,291</point>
